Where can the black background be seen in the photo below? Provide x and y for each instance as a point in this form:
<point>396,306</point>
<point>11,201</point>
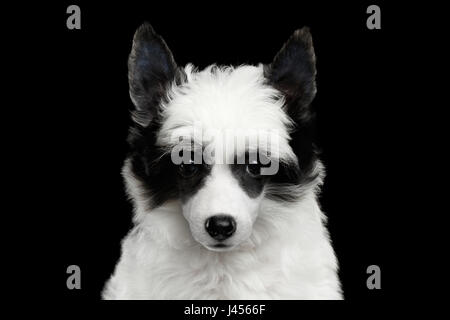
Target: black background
<point>84,124</point>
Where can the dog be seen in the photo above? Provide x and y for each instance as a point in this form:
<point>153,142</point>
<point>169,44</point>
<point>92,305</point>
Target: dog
<point>211,225</point>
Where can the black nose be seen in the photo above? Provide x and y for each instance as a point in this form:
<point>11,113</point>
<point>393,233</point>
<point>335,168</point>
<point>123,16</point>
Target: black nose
<point>220,227</point>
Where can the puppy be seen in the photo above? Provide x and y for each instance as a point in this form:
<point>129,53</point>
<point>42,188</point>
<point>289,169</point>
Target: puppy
<point>223,175</point>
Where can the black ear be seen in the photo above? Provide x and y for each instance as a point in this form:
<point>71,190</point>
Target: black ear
<point>151,68</point>
<point>293,72</point>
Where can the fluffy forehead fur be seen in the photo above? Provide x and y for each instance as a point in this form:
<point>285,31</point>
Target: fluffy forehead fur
<point>226,100</point>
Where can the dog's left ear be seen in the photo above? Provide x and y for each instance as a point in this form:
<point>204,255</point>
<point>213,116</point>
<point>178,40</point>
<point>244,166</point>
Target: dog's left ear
<point>151,68</point>
<point>293,72</point>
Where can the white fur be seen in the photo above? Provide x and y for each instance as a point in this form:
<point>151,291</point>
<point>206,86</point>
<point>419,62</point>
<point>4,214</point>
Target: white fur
<point>223,99</point>
<point>280,250</point>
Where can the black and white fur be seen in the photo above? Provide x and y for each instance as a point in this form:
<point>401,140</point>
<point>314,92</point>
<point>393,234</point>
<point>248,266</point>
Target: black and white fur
<point>280,248</point>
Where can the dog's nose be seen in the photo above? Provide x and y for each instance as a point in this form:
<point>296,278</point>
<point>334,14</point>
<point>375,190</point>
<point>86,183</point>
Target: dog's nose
<point>220,227</point>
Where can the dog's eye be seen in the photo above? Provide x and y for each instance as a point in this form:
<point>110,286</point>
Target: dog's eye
<point>254,169</point>
<point>187,170</point>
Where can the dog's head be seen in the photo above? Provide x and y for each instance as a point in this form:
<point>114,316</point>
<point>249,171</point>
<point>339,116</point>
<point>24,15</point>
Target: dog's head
<point>223,140</point>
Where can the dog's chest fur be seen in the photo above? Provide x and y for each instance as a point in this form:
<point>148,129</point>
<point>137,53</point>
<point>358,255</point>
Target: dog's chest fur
<point>166,263</point>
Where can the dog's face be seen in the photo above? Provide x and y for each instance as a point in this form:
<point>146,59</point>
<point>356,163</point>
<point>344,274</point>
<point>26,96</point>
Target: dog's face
<point>223,140</point>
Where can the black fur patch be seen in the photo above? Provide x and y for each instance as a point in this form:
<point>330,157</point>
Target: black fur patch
<point>153,166</point>
<point>252,184</point>
<point>288,175</point>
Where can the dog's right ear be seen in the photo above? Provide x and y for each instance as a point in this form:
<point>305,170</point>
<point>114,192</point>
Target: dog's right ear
<point>151,68</point>
<point>293,72</point>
